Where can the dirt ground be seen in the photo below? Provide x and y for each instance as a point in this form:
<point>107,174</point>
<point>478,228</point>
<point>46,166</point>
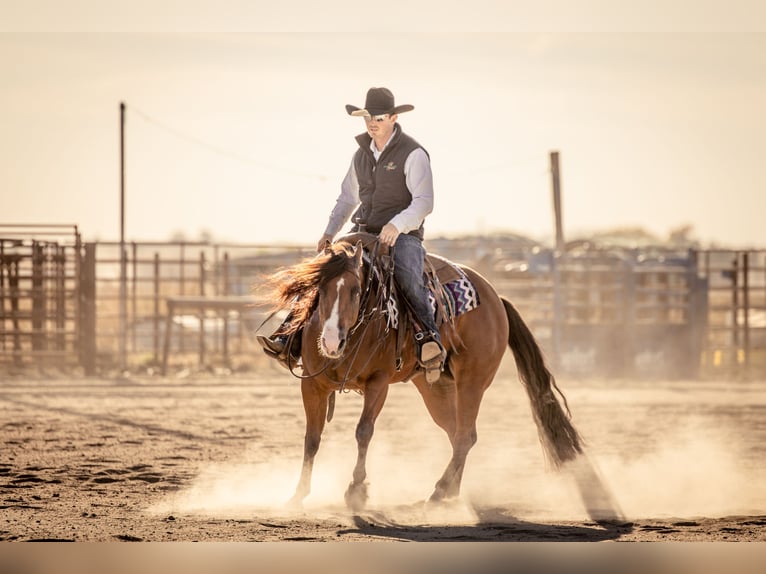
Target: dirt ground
<point>204,457</point>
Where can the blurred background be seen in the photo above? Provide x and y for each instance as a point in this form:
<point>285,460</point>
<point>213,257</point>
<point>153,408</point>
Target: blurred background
<point>156,165</point>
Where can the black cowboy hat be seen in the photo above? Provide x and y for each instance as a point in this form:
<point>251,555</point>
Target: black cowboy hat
<point>379,101</point>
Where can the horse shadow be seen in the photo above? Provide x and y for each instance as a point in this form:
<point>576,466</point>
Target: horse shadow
<point>492,524</point>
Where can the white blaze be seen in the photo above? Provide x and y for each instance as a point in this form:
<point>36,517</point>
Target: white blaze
<point>331,329</point>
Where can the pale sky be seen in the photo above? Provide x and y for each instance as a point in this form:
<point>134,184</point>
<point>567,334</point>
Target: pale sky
<point>244,135</point>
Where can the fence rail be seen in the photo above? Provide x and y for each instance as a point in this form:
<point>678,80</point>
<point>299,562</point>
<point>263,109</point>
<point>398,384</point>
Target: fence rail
<point>39,294</point>
<point>703,315</point>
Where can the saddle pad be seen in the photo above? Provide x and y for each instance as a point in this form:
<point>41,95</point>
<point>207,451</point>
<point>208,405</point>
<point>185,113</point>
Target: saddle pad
<point>459,294</point>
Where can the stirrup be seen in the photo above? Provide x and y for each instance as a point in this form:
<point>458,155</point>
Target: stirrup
<point>431,356</point>
<point>272,347</point>
<point>277,349</point>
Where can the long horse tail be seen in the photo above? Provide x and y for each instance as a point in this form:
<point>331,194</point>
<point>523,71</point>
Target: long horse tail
<point>560,440</point>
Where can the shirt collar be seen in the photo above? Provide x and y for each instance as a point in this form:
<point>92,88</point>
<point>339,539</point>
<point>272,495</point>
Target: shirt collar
<point>374,149</point>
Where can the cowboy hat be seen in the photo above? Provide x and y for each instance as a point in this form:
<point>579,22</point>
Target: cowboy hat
<point>379,101</point>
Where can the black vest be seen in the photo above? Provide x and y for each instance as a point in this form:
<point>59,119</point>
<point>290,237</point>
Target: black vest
<point>383,186</point>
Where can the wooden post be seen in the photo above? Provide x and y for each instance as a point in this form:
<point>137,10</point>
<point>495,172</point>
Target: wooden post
<point>87,331</point>
<point>746,311</point>
<point>181,282</point>
<point>735,310</point>
<point>558,308</point>
<point>696,313</point>
<point>156,330</point>
<point>61,314</point>
<point>226,313</point>
<point>201,310</point>
<point>13,284</point>
<point>556,181</point>
<point>38,297</point>
<point>123,263</point>
<point>168,335</point>
<point>133,295</point>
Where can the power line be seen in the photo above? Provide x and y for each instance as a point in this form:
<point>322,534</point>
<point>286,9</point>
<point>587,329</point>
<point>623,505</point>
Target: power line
<point>536,160</point>
<point>241,158</point>
<point>219,150</point>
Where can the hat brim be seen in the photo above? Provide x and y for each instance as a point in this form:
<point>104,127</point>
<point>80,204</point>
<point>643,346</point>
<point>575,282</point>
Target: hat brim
<point>361,112</point>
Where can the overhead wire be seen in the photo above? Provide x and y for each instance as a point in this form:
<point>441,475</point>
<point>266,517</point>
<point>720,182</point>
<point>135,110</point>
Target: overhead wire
<point>244,159</point>
<point>220,150</point>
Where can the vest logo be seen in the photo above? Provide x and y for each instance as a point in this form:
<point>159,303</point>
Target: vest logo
<point>390,166</point>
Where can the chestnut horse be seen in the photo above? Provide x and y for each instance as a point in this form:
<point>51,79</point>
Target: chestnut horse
<point>346,344</point>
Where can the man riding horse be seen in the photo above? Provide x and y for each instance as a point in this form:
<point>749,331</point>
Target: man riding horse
<point>389,189</point>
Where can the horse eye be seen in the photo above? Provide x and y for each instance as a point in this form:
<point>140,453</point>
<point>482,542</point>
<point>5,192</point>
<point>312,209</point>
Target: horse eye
<point>355,292</point>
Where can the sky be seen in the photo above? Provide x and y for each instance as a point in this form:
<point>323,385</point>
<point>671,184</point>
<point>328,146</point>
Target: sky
<point>241,134</point>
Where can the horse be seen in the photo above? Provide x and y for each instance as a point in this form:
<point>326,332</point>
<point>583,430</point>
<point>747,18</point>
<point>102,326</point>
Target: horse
<point>346,343</point>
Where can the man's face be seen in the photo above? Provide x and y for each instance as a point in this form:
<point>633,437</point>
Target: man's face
<point>380,127</point>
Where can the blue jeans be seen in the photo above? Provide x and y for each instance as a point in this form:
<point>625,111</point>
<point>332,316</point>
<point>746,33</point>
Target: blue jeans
<point>409,255</point>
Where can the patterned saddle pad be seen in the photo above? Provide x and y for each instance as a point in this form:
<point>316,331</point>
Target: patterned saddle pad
<point>458,294</point>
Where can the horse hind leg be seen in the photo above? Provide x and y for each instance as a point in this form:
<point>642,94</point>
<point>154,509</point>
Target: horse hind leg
<point>455,410</point>
<point>448,486</point>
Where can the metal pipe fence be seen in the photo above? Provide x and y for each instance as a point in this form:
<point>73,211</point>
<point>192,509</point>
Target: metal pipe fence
<point>700,314</point>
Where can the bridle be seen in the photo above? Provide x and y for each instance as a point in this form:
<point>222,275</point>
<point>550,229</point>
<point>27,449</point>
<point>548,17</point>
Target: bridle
<point>367,311</point>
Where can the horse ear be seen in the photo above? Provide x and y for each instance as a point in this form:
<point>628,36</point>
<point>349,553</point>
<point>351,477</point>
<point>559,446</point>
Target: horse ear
<point>358,252</point>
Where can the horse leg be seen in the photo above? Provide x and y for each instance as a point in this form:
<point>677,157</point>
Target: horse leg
<point>315,406</point>
<point>441,402</point>
<point>455,409</point>
<point>375,394</point>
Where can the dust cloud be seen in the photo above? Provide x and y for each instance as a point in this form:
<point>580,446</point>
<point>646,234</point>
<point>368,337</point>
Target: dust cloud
<point>652,451</point>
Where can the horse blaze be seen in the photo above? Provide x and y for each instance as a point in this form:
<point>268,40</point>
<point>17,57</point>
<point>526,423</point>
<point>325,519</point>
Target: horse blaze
<point>331,330</point>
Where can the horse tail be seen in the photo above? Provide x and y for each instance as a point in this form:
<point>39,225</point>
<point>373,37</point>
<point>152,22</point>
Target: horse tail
<point>561,441</point>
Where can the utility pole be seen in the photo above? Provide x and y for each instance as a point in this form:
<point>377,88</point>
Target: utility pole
<point>556,182</point>
<point>123,262</point>
<point>558,306</point>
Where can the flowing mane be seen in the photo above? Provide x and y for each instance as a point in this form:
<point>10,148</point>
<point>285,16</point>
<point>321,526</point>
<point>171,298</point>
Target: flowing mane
<point>297,286</point>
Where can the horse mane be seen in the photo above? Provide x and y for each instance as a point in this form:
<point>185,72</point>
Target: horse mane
<point>297,287</point>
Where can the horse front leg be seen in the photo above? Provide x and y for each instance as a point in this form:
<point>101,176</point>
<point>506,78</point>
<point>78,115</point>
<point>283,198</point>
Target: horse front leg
<point>375,395</point>
<point>315,407</point>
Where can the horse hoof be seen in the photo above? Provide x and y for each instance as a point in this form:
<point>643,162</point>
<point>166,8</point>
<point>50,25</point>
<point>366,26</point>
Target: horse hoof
<point>356,496</point>
<point>295,503</point>
<point>441,498</point>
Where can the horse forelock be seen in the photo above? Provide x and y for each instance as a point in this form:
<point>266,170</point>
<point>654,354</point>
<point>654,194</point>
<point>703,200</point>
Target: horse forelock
<point>298,286</point>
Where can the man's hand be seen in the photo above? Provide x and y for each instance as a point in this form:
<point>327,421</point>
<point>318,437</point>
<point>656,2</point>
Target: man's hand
<point>388,234</point>
<point>324,242</point>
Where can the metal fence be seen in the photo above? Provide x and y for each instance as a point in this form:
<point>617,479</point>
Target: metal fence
<point>41,311</point>
<point>613,315</point>
<point>735,337</point>
<point>633,313</point>
<point>158,273</point>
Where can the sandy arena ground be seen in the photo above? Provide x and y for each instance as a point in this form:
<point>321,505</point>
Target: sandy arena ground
<point>214,458</point>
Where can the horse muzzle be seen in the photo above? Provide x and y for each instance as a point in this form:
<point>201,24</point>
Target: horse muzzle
<point>332,343</point>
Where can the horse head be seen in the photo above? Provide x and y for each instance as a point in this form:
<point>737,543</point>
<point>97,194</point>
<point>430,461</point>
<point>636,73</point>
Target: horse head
<point>339,301</point>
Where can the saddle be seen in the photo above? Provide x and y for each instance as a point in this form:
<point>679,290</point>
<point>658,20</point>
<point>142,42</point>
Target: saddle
<point>450,291</point>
